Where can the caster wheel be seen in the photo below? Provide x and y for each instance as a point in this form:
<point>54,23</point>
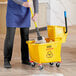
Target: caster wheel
<point>51,64</point>
<point>58,65</point>
<point>33,64</point>
<point>40,67</point>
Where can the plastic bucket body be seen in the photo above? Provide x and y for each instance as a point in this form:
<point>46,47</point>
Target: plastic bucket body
<point>45,53</point>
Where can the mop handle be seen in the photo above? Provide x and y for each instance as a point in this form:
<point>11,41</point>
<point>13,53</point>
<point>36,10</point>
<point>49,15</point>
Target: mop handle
<point>65,15</point>
<point>32,15</point>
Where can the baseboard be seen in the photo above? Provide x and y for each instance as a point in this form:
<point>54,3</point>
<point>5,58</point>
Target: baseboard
<point>40,29</point>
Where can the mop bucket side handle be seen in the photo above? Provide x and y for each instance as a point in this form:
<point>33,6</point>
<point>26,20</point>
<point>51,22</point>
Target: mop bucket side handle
<point>65,16</point>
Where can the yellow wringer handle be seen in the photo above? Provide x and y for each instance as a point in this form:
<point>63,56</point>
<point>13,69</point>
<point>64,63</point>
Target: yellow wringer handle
<point>32,15</point>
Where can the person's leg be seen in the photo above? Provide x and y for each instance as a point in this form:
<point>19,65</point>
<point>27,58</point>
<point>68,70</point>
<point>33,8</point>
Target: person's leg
<point>24,47</point>
<point>8,46</point>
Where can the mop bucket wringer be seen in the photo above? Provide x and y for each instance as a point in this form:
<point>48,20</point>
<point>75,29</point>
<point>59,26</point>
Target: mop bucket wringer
<point>58,32</point>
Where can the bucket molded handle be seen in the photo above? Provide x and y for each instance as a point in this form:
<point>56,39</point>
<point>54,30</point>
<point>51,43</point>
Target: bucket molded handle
<point>65,16</point>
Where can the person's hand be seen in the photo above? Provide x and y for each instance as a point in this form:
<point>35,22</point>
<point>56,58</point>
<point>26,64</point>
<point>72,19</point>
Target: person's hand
<point>27,4</point>
<point>34,18</point>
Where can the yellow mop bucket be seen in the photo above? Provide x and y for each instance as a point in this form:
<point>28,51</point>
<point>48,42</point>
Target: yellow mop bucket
<point>48,52</point>
<point>58,32</point>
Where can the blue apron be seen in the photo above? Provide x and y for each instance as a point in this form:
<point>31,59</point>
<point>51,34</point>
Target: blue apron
<point>17,15</point>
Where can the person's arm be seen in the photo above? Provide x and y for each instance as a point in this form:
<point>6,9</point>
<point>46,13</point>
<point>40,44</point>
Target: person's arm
<point>27,4</point>
<point>36,6</point>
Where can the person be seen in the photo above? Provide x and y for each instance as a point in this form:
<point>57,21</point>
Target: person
<point>18,16</point>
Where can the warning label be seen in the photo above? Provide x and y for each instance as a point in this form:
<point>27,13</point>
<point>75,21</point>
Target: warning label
<point>49,54</point>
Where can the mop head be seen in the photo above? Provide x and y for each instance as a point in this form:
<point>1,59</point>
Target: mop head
<point>40,41</point>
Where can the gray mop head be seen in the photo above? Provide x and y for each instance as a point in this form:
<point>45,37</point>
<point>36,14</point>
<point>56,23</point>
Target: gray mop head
<point>40,41</point>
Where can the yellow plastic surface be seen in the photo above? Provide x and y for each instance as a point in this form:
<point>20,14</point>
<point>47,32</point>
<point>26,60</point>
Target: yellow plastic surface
<point>46,52</point>
<point>57,32</point>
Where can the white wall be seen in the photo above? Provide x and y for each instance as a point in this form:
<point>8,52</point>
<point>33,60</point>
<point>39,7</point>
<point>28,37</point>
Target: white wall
<point>55,13</point>
<point>74,11</point>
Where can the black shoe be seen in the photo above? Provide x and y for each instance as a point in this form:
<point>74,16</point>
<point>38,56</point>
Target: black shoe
<point>7,64</point>
<point>26,62</point>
